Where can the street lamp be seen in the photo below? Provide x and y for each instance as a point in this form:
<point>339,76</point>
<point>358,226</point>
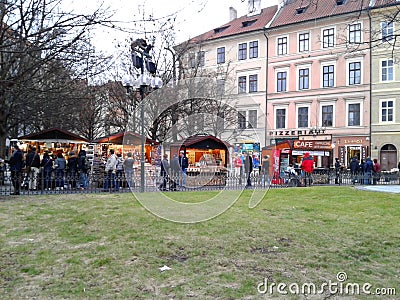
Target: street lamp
<point>141,60</point>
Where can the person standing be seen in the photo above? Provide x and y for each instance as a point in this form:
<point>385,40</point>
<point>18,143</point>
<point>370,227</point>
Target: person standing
<point>338,170</point>
<point>377,171</point>
<point>307,166</point>
<point>184,164</point>
<point>83,168</point>
<point>164,172</point>
<point>72,165</point>
<point>110,170</point>
<point>59,165</point>
<point>265,178</point>
<point>368,169</point>
<point>248,168</point>
<point>33,164</point>
<point>175,172</point>
<point>47,167</point>
<point>16,164</point>
<point>354,166</point>
<point>128,167</point>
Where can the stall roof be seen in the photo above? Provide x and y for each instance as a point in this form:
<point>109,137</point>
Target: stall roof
<point>53,134</point>
<point>202,142</point>
<point>124,138</point>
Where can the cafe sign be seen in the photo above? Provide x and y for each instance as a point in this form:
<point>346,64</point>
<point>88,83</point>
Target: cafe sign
<point>312,145</point>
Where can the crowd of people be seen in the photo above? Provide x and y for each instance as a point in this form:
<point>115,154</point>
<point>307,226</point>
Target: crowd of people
<point>365,172</point>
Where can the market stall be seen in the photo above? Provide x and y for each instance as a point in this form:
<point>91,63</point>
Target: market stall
<point>207,157</point>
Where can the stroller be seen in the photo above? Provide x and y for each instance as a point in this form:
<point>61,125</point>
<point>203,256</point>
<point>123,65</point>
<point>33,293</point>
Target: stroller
<point>291,178</point>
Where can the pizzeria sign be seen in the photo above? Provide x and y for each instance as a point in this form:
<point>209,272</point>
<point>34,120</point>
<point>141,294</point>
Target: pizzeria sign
<point>312,145</point>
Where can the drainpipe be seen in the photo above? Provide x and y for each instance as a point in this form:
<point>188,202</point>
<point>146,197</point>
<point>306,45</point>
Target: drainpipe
<point>266,90</point>
<point>370,81</point>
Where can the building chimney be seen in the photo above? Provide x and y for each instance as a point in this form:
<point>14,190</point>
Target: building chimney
<point>232,14</point>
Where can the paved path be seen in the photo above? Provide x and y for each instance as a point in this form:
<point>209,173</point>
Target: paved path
<point>381,188</point>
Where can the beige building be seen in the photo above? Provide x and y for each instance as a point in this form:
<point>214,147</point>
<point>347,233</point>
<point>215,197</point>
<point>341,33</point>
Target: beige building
<point>385,77</point>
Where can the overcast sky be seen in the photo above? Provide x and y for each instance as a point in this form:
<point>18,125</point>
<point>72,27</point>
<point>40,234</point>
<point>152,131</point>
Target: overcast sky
<point>193,18</point>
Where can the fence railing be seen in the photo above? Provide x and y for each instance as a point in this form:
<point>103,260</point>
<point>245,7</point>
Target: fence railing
<point>50,183</point>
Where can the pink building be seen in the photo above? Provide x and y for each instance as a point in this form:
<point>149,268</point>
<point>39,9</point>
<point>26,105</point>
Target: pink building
<point>318,87</point>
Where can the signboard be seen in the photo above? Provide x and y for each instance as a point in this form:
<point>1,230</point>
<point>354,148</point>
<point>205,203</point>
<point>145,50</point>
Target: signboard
<point>312,145</point>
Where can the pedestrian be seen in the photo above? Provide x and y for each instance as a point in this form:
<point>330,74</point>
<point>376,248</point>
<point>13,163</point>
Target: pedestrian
<point>72,169</point>
<point>307,166</point>
<point>338,171</point>
<point>361,171</point>
<point>175,172</point>
<point>248,168</point>
<point>376,172</point>
<point>16,164</point>
<point>256,165</point>
<point>237,162</point>
<point>47,170</point>
<point>59,166</point>
<point>368,169</point>
<point>184,164</point>
<point>119,169</point>
<point>354,166</point>
<point>128,167</point>
<point>32,162</point>
<point>110,171</point>
<point>165,169</point>
<point>83,169</point>
<point>265,177</point>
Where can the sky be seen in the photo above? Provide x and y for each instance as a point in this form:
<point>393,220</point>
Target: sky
<point>193,16</point>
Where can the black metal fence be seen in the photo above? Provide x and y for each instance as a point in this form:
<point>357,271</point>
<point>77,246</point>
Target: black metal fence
<point>52,183</point>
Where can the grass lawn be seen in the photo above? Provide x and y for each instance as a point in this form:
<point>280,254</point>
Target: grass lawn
<point>109,246</point>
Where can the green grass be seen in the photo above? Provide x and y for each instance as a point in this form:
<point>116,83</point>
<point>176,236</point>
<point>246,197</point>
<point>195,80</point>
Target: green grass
<point>109,246</point>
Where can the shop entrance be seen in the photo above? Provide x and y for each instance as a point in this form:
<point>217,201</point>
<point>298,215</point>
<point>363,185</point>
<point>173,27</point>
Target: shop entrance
<point>353,151</point>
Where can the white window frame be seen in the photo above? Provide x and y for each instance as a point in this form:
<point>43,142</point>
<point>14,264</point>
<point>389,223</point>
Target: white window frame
<point>298,42</point>
<point>381,70</point>
<point>361,33</point>
<point>393,31</point>
<point>380,110</point>
<point>324,64</point>
<point>326,103</point>
<point>286,69</point>
<point>286,108</point>
<point>334,37</point>
<point>298,106</point>
<point>348,102</point>
<point>348,62</point>
<point>298,68</point>
<point>287,45</point>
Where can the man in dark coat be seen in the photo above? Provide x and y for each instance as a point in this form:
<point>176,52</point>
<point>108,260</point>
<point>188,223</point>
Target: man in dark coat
<point>175,172</point>
<point>16,164</point>
<point>248,168</point>
<point>165,169</point>
<point>354,167</point>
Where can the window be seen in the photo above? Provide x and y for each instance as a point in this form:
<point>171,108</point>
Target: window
<point>301,10</point>
<point>281,81</point>
<point>242,51</point>
<point>192,60</point>
<point>242,84</point>
<point>302,117</point>
<point>387,70</point>
<point>304,79</point>
<point>387,31</point>
<point>241,120</point>
<point>327,115</point>
<point>387,110</point>
<point>280,118</point>
<point>248,23</point>
<point>282,45</point>
<point>355,33</point>
<point>328,38</point>
<point>252,118</point>
<point>202,58</point>
<point>221,55</point>
<point>354,114</point>
<point>253,83</point>
<point>304,41</point>
<point>328,76</point>
<point>253,49</point>
<point>354,73</point>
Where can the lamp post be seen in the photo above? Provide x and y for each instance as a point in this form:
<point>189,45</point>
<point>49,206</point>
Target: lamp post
<point>141,60</point>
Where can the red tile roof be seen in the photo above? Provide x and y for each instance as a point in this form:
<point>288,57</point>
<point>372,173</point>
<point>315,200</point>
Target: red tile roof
<point>53,134</point>
<point>314,10</point>
<point>236,26</point>
<point>379,3</point>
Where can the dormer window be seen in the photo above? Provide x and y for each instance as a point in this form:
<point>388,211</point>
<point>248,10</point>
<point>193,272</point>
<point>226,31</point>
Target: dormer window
<point>220,29</point>
<point>248,23</point>
<point>340,2</point>
<point>301,10</point>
